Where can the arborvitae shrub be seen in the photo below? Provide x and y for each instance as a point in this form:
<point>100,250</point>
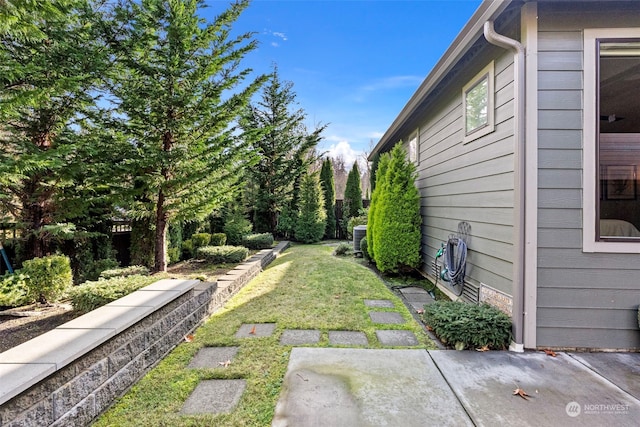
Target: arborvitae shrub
<point>218,239</point>
<point>329,192</point>
<point>311,214</point>
<point>462,325</point>
<point>258,241</point>
<point>352,194</point>
<point>48,277</point>
<point>376,199</point>
<point>397,229</point>
<point>223,254</point>
<point>364,249</point>
<point>235,228</point>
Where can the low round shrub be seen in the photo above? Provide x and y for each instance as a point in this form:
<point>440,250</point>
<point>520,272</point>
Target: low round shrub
<point>201,239</point>
<point>465,325</point>
<point>14,291</point>
<point>47,277</point>
<point>223,254</point>
<point>343,249</point>
<point>125,271</point>
<point>218,239</point>
<point>258,241</point>
<point>91,295</point>
<point>187,249</point>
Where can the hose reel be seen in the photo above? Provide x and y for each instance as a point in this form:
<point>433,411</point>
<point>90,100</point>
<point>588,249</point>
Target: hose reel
<point>454,259</point>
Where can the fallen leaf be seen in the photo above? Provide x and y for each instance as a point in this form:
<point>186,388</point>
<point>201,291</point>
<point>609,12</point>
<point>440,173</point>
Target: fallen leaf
<point>483,348</point>
<point>429,328</point>
<point>549,352</point>
<point>520,392</point>
<point>225,364</point>
<point>420,311</point>
<point>188,338</point>
<point>253,330</point>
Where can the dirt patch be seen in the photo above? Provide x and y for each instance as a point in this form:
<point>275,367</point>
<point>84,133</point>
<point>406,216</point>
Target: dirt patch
<point>33,320</point>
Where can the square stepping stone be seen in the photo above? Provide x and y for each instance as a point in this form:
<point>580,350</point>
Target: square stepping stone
<point>386,317</point>
<point>214,397</point>
<point>348,338</point>
<point>395,337</point>
<point>254,330</point>
<point>212,357</point>
<point>382,303</point>
<point>299,337</point>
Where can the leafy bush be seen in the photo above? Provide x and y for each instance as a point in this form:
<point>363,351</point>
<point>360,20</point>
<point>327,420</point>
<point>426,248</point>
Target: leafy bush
<point>133,270</point>
<point>466,325</point>
<point>48,277</point>
<point>187,249</point>
<point>201,239</point>
<point>14,291</point>
<point>235,228</point>
<point>223,254</point>
<point>174,255</point>
<point>343,249</point>
<point>364,249</point>
<point>258,241</point>
<point>218,239</point>
<point>92,295</point>
<point>312,218</point>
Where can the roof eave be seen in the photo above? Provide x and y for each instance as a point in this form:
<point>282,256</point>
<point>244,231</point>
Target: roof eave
<point>488,10</point>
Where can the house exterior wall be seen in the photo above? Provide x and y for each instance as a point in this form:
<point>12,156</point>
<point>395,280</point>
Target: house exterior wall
<point>584,300</point>
<point>472,182</point>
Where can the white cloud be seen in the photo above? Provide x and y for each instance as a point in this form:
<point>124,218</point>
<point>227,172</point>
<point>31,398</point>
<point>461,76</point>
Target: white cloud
<point>278,35</point>
<point>344,150</point>
<point>281,35</point>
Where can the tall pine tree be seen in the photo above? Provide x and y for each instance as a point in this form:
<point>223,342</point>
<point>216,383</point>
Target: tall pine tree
<point>284,152</point>
<point>311,219</point>
<point>179,93</point>
<point>329,191</point>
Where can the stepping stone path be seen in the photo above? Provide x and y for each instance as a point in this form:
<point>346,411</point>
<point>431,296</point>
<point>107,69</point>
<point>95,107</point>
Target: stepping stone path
<point>299,337</point>
<point>214,397</point>
<point>353,338</point>
<point>397,337</point>
<point>256,330</point>
<point>381,303</point>
<point>416,297</point>
<point>386,317</point>
<point>213,357</point>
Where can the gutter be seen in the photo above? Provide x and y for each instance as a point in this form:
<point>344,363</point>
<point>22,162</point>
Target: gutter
<point>520,163</point>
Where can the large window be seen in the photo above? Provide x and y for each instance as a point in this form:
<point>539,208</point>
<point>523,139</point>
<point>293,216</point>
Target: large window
<point>477,105</point>
<point>612,141</point>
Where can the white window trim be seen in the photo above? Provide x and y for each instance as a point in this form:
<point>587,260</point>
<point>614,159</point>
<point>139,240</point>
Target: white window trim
<point>589,157</point>
<point>489,73</point>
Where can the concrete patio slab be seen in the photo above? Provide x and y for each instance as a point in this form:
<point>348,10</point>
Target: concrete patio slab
<point>214,397</point>
<point>255,330</point>
<point>622,369</point>
<point>212,357</point>
<point>348,338</point>
<point>386,317</point>
<point>562,391</point>
<point>300,336</point>
<point>364,387</point>
<point>381,303</point>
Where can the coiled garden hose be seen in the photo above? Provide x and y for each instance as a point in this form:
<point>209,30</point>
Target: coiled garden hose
<point>455,261</point>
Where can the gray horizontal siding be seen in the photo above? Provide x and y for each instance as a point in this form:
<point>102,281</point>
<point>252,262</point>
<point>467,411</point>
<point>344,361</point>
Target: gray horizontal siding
<point>584,300</point>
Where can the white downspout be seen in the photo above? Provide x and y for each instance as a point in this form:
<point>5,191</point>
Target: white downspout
<point>519,178</point>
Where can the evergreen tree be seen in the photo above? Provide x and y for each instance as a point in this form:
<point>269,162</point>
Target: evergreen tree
<point>178,96</point>
<point>329,191</point>
<point>376,200</point>
<point>397,219</point>
<point>283,152</point>
<point>374,170</point>
<point>51,58</point>
<point>312,217</point>
<point>352,194</point>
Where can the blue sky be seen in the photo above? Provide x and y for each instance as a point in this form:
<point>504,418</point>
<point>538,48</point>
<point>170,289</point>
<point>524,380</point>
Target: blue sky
<point>353,64</point>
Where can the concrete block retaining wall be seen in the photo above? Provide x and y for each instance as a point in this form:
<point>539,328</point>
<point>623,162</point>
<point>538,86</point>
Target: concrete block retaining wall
<point>68,376</point>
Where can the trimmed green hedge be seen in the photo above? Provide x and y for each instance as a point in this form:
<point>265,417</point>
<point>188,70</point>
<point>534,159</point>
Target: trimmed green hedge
<point>258,241</point>
<point>201,239</point>
<point>464,325</point>
<point>218,239</point>
<point>125,271</point>
<point>91,295</point>
<point>223,254</point>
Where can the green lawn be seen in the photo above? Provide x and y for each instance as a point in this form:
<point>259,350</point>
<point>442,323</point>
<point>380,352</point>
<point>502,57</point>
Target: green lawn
<point>305,288</point>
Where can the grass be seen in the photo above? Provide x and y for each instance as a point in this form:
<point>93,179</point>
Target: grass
<point>305,288</point>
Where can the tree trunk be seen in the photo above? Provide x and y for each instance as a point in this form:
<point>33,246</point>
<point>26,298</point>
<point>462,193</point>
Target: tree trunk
<point>160,263</point>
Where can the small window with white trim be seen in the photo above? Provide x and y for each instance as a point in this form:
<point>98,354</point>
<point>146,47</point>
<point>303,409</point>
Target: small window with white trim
<point>478,104</point>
